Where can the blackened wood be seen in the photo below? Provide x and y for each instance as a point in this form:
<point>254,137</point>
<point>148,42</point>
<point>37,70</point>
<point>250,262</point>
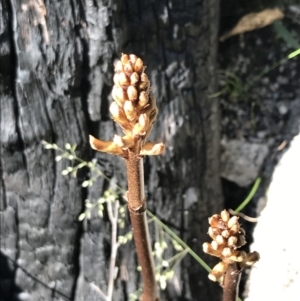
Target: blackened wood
<point>55,81</point>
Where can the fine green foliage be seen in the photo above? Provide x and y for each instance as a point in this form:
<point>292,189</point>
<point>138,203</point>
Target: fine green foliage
<point>233,85</point>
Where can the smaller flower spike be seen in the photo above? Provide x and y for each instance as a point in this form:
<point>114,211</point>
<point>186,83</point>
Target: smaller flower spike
<point>227,236</point>
<point>134,109</point>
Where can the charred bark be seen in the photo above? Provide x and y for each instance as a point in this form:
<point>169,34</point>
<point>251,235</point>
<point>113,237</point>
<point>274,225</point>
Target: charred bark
<point>56,67</point>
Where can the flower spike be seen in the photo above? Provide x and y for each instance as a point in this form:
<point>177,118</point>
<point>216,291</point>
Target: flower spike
<point>134,109</point>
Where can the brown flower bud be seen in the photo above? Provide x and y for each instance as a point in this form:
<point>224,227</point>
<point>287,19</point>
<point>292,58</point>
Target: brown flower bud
<point>119,95</point>
<point>214,220</point>
<point>133,58</point>
<point>234,229</point>
<point>129,110</point>
<point>214,245</point>
<point>220,240</point>
<point>144,120</point>
<point>134,78</point>
<point>132,93</point>
<point>213,232</point>
<point>232,240</point>
<point>123,79</point>
<point>116,79</point>
<point>118,114</point>
<point>138,130</point>
<point>143,99</point>
<point>128,67</point>
<point>225,216</point>
<point>225,233</point>
<point>138,65</point>
<point>233,221</point>
<point>218,271</point>
<point>226,252</point>
<point>118,67</point>
<point>124,58</point>
<point>141,127</point>
<point>207,248</point>
<point>144,81</point>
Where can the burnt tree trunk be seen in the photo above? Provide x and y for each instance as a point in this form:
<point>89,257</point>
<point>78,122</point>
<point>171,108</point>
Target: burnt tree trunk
<point>56,67</point>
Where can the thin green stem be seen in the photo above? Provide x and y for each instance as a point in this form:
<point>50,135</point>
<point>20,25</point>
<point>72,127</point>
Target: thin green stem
<point>250,195</point>
<point>268,69</point>
<point>180,255</point>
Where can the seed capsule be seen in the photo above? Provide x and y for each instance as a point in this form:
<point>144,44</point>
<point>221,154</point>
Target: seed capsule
<point>142,126</point>
<point>118,67</point>
<point>232,240</point>
<point>128,67</point>
<point>214,220</point>
<point>133,58</point>
<point>129,110</point>
<point>116,79</point>
<point>214,245</point>
<point>124,58</point>
<point>218,271</point>
<point>132,93</point>
<point>234,229</point>
<point>226,252</point>
<point>144,81</point>
<point>143,99</point>
<point>119,95</point>
<point>233,221</point>
<point>225,216</point>
<point>123,79</point>
<point>213,232</point>
<point>134,78</point>
<point>118,113</point>
<point>138,65</point>
<point>220,240</point>
<point>225,233</point>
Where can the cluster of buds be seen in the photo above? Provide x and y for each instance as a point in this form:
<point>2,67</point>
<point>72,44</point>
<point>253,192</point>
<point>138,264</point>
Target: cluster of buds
<point>227,236</point>
<point>134,109</point>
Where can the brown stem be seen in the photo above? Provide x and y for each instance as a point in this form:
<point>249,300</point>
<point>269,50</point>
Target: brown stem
<point>137,209</point>
<point>231,283</point>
